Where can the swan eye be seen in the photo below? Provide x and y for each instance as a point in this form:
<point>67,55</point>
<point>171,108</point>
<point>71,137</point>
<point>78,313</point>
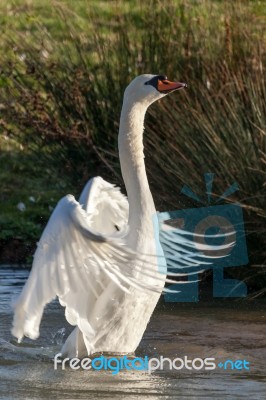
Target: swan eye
<point>155,80</point>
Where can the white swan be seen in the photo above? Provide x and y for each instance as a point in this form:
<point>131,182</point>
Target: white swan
<point>90,265</point>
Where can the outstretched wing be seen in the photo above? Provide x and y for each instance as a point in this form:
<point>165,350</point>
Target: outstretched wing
<point>82,250</point>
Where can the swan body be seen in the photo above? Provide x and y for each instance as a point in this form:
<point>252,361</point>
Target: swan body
<point>100,255</point>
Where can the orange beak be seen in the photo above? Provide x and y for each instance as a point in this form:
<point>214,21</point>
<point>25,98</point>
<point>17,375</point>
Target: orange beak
<point>166,86</point>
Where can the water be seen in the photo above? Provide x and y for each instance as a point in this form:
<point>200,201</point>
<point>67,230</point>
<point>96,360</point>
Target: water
<point>220,329</point>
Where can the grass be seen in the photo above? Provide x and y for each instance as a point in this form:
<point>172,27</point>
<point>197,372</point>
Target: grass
<point>64,70</point>
<point>26,181</point>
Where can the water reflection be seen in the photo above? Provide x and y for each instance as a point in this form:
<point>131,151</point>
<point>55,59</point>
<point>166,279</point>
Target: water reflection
<point>205,330</point>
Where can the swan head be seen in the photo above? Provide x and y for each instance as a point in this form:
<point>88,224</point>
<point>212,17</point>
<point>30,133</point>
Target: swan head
<point>148,88</point>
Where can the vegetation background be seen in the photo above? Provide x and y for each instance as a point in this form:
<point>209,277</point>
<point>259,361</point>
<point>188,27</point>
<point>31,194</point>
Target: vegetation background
<point>64,67</point>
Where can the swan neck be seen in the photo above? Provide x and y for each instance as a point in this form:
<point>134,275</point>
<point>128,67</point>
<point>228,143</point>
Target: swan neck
<point>130,143</point>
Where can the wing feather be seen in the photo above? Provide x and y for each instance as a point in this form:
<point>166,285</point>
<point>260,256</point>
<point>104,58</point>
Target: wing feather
<point>76,258</point>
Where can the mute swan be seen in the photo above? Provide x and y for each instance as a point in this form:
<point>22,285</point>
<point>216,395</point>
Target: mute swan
<point>87,255</point>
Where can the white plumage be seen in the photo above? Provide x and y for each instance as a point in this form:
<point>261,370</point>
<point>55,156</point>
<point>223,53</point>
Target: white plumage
<point>101,255</point>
